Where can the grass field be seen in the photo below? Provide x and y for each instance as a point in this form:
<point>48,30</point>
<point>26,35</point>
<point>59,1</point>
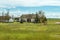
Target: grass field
<point>30,31</point>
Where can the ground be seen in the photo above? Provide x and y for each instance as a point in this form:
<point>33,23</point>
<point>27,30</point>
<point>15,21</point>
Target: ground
<point>30,31</point>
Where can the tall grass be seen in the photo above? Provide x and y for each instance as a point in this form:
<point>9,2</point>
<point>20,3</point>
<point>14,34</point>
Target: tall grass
<point>30,31</point>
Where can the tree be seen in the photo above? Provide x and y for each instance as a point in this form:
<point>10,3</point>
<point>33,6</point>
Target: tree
<point>2,16</point>
<point>7,14</point>
<point>43,19</point>
<point>37,20</point>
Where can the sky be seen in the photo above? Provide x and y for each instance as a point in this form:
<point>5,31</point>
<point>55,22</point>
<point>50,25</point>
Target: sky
<point>19,7</point>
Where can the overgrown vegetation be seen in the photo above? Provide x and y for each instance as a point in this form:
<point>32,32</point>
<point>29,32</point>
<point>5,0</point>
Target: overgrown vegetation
<point>30,31</point>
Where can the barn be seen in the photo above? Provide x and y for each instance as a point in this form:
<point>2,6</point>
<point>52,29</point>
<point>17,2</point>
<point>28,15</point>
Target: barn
<point>4,18</point>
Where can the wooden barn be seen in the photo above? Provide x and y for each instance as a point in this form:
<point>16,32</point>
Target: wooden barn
<point>4,18</point>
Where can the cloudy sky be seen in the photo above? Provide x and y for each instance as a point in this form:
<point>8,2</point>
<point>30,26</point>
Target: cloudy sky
<point>19,7</point>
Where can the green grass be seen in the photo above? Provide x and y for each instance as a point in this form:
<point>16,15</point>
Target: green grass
<point>30,31</point>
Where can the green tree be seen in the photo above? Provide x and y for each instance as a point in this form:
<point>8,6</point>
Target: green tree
<point>37,20</point>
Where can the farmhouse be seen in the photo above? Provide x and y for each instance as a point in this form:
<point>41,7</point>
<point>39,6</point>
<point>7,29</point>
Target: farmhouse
<point>29,17</point>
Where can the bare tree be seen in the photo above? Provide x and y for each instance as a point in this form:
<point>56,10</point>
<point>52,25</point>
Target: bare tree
<point>43,18</point>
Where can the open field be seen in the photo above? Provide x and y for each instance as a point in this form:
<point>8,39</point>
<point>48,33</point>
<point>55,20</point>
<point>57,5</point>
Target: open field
<point>30,31</point>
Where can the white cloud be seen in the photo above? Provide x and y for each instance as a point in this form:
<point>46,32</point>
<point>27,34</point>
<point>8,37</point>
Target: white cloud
<point>29,3</point>
<point>52,14</point>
